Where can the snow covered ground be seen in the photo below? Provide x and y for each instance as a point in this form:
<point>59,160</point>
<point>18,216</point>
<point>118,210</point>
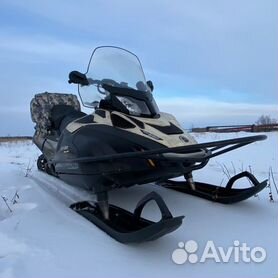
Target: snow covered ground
<point>41,237</point>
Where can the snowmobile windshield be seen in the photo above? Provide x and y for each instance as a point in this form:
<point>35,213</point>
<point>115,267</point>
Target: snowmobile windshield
<point>113,70</point>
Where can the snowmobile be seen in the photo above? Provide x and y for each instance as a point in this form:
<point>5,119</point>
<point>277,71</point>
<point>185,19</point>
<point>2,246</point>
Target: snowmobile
<point>126,141</point>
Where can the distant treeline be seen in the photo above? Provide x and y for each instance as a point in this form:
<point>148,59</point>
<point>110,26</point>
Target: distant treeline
<point>237,128</point>
<point>14,138</point>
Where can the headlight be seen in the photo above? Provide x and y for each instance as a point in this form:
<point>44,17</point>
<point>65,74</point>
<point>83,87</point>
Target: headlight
<point>130,105</point>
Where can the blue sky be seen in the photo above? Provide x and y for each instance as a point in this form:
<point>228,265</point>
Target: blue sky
<point>212,62</point>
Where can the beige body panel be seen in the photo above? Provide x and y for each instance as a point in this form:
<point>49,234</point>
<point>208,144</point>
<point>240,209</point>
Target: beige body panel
<point>165,119</point>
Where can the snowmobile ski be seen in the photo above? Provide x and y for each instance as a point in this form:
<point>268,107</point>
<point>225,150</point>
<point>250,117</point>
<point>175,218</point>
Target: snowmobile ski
<point>224,195</point>
<point>127,227</point>
<point>122,225</point>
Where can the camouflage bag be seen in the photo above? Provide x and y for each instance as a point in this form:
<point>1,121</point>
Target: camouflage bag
<point>42,104</point>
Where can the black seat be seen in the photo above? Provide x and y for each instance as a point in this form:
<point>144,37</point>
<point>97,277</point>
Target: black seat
<point>62,115</point>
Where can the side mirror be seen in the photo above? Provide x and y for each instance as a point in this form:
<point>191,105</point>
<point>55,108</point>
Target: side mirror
<point>77,77</point>
<point>150,84</point>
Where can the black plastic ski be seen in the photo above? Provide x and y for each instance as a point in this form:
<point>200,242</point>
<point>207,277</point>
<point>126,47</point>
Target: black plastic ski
<point>127,227</point>
<point>224,195</point>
